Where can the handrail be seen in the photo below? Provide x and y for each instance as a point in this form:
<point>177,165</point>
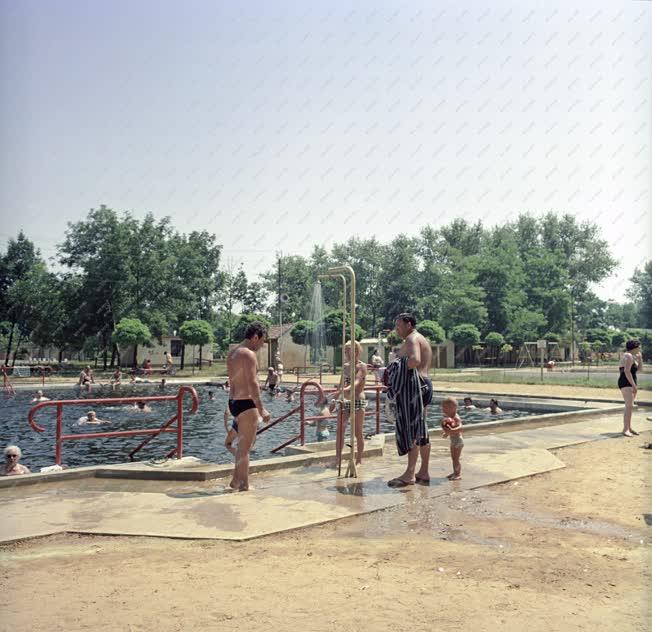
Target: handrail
<point>153,432</point>
<point>303,418</point>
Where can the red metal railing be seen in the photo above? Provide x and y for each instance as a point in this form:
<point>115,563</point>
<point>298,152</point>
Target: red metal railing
<point>152,432</point>
<point>321,396</point>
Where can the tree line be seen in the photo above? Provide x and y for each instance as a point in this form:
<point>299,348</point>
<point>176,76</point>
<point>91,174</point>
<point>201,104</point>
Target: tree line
<point>120,281</point>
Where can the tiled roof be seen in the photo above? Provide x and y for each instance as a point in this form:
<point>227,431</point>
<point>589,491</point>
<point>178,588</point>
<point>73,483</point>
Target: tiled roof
<point>275,331</point>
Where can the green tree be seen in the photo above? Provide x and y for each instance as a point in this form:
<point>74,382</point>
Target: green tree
<point>301,330</point>
<point>494,341</point>
<point>526,325</point>
<point>641,294</point>
<point>244,320</point>
<point>196,332</point>
<point>432,331</point>
<point>296,283</point>
<point>233,290</point>
<point>131,331</point>
<point>465,335</point>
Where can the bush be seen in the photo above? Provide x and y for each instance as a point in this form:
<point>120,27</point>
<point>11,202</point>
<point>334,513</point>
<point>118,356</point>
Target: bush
<point>432,331</point>
<point>465,335</point>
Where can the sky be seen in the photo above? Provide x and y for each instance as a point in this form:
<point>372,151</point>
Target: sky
<point>281,125</point>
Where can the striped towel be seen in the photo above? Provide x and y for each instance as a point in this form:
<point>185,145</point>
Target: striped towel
<point>406,404</point>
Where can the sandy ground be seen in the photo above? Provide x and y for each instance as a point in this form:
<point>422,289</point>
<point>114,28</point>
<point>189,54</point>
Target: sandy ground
<point>566,550</point>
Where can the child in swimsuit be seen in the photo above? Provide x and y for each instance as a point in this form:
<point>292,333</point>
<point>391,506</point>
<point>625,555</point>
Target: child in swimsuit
<point>452,427</point>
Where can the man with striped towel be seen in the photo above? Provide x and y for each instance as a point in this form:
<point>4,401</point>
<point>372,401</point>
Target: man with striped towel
<point>409,391</point>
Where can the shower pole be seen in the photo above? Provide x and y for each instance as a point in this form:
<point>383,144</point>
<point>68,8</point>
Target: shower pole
<point>351,471</point>
<point>340,416</point>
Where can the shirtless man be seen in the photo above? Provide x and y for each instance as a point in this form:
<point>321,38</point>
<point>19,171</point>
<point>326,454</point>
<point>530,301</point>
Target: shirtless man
<point>244,402</point>
<point>419,354</point>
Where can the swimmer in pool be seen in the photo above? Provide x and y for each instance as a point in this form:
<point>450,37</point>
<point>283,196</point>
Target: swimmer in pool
<point>90,419</point>
<point>493,407</point>
<point>39,397</point>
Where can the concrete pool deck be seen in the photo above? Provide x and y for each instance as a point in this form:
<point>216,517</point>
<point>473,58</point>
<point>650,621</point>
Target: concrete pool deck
<point>284,499</point>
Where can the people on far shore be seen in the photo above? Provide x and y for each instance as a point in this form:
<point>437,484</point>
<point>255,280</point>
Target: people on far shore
<point>279,368</point>
<point>90,419</point>
<point>147,367</point>
<point>468,404</point>
<point>86,377</point>
<point>12,466</point>
<point>116,378</point>
<point>39,397</point>
<point>168,366</point>
<point>630,364</point>
<point>493,407</point>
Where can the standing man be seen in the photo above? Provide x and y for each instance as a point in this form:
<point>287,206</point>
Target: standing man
<point>244,402</point>
<point>414,357</point>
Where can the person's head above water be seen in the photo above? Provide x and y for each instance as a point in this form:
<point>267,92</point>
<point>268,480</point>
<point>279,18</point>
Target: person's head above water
<point>91,414</point>
<point>405,324</point>
<point>630,345</point>
<point>468,401</point>
<point>39,393</point>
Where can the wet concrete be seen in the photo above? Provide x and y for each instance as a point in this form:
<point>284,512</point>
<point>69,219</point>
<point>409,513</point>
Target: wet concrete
<point>294,498</point>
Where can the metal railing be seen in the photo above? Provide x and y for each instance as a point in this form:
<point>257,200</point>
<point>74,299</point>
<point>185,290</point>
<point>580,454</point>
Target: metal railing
<point>304,419</point>
<point>177,418</point>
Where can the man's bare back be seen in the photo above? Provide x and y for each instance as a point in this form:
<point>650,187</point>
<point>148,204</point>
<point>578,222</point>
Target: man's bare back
<point>416,341</point>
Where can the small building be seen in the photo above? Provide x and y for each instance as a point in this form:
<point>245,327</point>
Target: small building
<point>156,353</point>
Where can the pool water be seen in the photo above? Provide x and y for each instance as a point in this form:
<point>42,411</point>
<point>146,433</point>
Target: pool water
<point>203,432</point>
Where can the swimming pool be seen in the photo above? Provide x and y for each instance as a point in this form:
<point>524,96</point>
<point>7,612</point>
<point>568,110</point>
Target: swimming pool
<point>203,432</point>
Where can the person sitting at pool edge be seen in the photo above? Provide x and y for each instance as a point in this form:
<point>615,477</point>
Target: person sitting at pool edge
<point>86,377</point>
<point>12,466</point>
<point>493,407</point>
<point>39,397</point>
<point>90,419</point>
<point>468,404</point>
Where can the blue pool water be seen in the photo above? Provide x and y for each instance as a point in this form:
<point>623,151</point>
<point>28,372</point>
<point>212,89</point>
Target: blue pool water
<point>203,432</point>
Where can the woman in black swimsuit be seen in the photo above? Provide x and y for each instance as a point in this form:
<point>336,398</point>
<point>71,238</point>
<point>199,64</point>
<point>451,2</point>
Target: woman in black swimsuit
<point>631,363</point>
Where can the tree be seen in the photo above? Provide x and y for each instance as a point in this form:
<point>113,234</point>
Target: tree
<point>297,282</point>
<point>465,335</point>
<point>432,331</point>
<point>244,320</point>
<point>233,290</point>
<point>196,332</point>
<point>526,325</point>
<point>131,331</point>
<point>254,299</point>
<point>20,259</point>
<point>301,331</point>
<point>494,341</point>
<point>641,294</point>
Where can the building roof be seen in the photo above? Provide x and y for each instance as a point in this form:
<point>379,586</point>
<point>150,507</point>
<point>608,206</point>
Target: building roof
<point>276,331</point>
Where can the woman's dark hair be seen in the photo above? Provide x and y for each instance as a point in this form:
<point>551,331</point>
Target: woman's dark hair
<point>495,401</point>
<point>255,329</point>
<point>407,318</point>
<point>632,344</point>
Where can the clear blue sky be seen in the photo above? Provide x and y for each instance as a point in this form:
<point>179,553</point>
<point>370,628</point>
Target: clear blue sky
<point>315,121</point>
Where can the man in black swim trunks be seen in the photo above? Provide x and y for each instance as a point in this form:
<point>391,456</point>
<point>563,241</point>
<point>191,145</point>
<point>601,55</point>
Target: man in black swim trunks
<point>244,402</point>
<point>418,352</point>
